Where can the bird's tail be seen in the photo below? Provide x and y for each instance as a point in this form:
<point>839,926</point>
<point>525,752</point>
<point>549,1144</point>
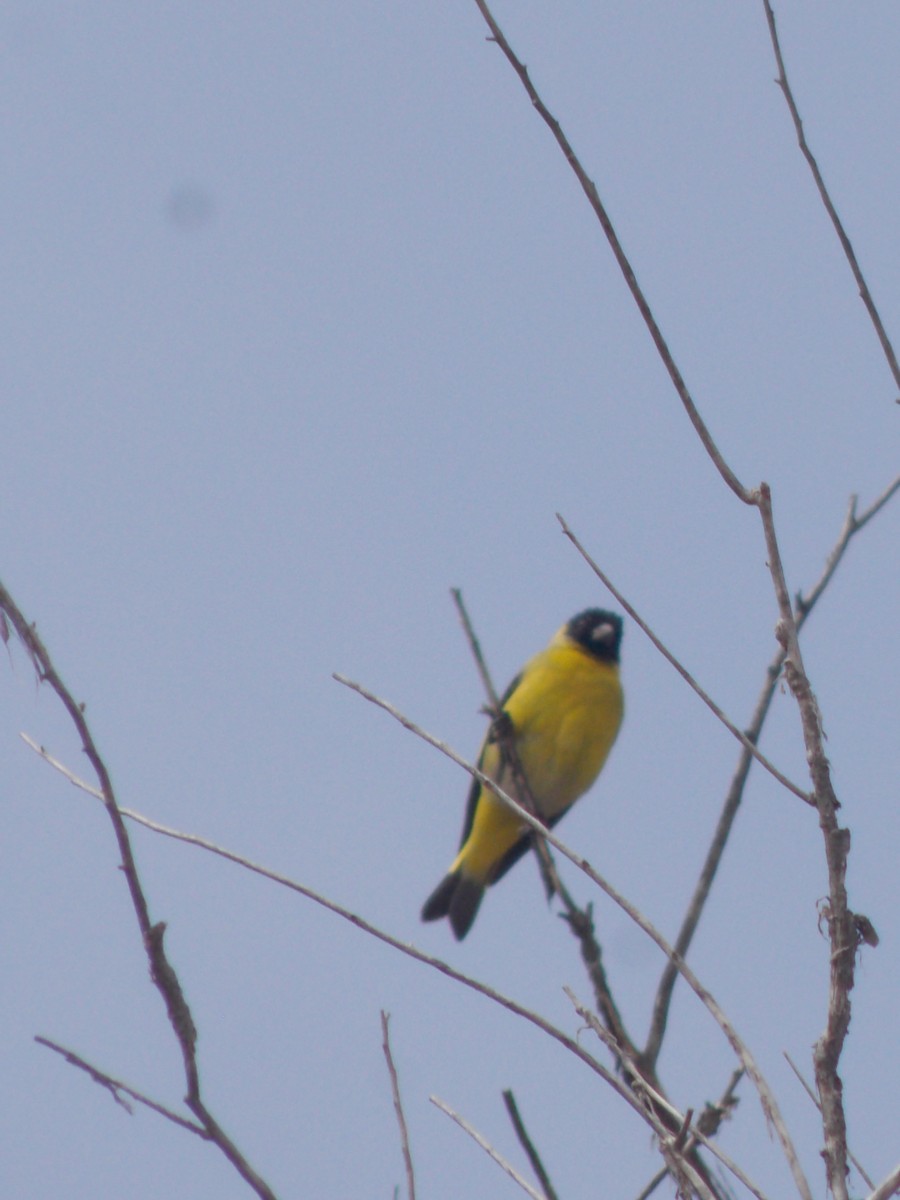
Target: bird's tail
<point>457,896</point>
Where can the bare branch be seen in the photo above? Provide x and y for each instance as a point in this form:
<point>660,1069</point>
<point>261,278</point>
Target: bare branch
<point>118,1089</point>
<point>683,1137</point>
<point>767,1098</point>
<point>852,525</point>
<point>152,934</point>
<point>475,647</point>
<point>708,1124</point>
<point>663,1173</point>
<point>713,1115</point>
<point>398,1106</point>
<point>890,1186</point>
<point>733,798</point>
<point>661,1105</point>
<point>590,190</point>
<point>865,294</point>
<point>815,1099</point>
<point>618,1037</point>
<point>46,673</point>
<point>876,506</point>
<point>682,671</point>
<point>769,1103</point>
<point>488,1148</point>
<point>65,771</point>
<point>527,1145</point>
<point>646,1192</point>
<point>812,1095</point>
<point>842,927</point>
<point>404,947</point>
<point>804,605</point>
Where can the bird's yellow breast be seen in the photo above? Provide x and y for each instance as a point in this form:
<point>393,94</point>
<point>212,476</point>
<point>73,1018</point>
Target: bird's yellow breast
<point>566,713</point>
<point>566,709</point>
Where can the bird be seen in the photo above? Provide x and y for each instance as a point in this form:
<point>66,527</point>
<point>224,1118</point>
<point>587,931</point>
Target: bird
<point>563,712</point>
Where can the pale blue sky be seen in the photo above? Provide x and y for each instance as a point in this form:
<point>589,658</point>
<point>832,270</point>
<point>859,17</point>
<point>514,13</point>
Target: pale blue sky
<point>305,321</point>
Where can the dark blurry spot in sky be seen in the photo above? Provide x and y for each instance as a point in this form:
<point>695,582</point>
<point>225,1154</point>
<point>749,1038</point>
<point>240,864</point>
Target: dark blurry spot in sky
<point>189,207</point>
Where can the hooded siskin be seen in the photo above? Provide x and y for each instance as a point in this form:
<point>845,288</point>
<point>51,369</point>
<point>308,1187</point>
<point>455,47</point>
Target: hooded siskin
<point>565,708</point>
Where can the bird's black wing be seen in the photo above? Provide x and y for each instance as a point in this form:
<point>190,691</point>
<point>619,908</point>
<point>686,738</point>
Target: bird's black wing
<point>521,848</point>
<point>475,789</point>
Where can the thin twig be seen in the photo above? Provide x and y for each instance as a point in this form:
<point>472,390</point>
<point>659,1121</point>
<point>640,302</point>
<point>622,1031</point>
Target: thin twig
<point>853,523</point>
<point>590,190</point>
<point>487,1147</point>
<point>684,1136</point>
<point>682,671</point>
<point>152,934</point>
<point>475,647</point>
<point>661,1104</point>
<point>646,1192</point>
<point>713,1115</point>
<point>889,1187</point>
<point>398,1106</point>
<point>812,1095</point>
<point>663,998</point>
<point>57,765</point>
<point>767,1098</point>
<point>864,293</point>
<point>708,1124</point>
<point>116,1087</point>
<point>528,1145</point>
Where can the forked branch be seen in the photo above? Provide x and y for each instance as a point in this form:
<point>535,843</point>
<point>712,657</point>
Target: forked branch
<point>161,970</point>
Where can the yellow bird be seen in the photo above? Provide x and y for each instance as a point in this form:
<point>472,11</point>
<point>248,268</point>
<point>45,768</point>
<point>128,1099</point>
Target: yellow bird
<point>563,710</point>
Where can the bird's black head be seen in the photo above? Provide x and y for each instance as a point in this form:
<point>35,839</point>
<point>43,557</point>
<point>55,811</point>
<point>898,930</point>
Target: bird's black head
<point>598,631</point>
